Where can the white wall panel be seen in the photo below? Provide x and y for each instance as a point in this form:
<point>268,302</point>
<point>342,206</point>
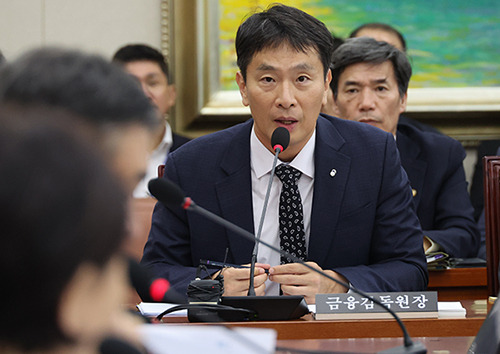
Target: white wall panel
<point>93,25</point>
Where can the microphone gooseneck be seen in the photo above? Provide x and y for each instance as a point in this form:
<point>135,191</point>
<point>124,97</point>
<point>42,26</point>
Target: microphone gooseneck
<point>165,189</point>
<point>279,141</point>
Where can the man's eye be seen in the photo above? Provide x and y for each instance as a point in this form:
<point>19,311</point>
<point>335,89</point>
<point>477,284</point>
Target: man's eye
<point>302,78</point>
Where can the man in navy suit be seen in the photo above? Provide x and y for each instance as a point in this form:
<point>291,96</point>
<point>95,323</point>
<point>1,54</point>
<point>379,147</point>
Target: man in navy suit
<point>370,86</point>
<point>358,216</point>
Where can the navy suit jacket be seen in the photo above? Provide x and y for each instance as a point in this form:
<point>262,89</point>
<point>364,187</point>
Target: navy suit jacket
<point>434,164</point>
<point>178,141</point>
<point>363,223</point>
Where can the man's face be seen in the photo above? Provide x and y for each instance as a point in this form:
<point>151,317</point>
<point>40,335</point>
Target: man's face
<point>284,88</point>
<point>369,93</point>
<point>154,83</point>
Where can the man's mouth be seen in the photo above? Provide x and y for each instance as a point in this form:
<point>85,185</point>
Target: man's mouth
<point>286,121</point>
<point>368,120</point>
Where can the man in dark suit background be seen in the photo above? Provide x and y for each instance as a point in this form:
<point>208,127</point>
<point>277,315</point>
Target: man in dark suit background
<point>150,68</point>
<point>358,218</point>
<point>370,81</point>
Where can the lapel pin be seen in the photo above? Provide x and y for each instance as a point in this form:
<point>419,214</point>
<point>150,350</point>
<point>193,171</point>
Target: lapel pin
<point>333,172</point>
<point>414,192</point>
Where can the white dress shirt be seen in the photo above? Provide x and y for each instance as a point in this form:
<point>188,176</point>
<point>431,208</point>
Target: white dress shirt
<point>261,165</point>
<point>157,157</point>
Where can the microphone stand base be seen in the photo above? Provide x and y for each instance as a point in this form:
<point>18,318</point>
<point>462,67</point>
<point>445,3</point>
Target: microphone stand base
<point>270,308</point>
<point>415,348</point>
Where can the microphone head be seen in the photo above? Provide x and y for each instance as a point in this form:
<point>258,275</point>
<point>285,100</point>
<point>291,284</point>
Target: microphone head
<point>280,139</point>
<point>166,192</point>
<point>158,289</point>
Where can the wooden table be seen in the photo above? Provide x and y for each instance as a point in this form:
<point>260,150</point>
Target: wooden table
<point>308,328</point>
<point>372,345</point>
<point>457,284</point>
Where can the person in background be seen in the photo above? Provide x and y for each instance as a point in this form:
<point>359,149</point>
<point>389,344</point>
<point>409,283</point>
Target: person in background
<point>386,33</point>
<point>370,82</point>
<point>382,32</point>
<point>63,278</point>
<point>357,221</point>
<point>150,67</point>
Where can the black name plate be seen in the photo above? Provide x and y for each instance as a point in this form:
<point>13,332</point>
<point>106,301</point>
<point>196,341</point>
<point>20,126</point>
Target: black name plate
<point>353,306</point>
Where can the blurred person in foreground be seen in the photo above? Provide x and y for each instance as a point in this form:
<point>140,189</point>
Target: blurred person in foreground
<point>94,90</point>
<point>98,92</point>
<point>357,218</point>
<point>370,82</point>
<point>149,66</point>
<point>63,277</point>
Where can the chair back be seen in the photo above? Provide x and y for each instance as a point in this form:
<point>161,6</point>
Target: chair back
<point>161,171</point>
<point>491,167</point>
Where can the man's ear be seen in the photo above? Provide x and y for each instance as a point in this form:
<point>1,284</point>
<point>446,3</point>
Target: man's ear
<point>402,103</point>
<point>330,107</point>
<point>327,87</point>
<point>172,95</point>
<point>243,88</point>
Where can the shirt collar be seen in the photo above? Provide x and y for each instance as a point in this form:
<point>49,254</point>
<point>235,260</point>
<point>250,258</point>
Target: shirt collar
<point>166,142</point>
<point>262,159</point>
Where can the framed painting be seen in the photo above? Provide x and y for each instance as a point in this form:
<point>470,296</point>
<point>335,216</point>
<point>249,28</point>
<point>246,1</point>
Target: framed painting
<point>453,46</point>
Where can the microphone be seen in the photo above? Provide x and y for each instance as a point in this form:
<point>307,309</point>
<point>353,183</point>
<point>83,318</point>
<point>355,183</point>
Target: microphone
<point>279,141</point>
<point>172,196</point>
<point>151,289</point>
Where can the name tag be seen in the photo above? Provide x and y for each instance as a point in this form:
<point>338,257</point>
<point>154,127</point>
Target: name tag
<point>421,304</point>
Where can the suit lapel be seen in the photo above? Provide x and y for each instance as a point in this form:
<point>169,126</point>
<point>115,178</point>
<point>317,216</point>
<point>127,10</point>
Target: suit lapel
<point>234,194</point>
<point>330,180</point>
<point>415,168</point>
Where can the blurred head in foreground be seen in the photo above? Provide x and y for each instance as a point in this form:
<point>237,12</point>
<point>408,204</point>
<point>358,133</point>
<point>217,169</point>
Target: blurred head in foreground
<point>91,88</point>
<point>62,224</point>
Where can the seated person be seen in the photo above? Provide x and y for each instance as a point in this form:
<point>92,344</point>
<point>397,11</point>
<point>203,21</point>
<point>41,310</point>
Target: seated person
<point>482,229</point>
<point>357,223</point>
<point>370,82</point>
<point>63,280</point>
<point>150,67</point>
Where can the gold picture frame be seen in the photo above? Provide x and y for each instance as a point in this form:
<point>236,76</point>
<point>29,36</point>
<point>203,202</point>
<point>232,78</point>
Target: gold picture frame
<point>190,40</point>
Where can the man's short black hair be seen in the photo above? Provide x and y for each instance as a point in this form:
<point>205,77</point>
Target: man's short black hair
<point>84,84</point>
<point>137,52</point>
<point>368,50</point>
<point>383,27</point>
<point>278,25</point>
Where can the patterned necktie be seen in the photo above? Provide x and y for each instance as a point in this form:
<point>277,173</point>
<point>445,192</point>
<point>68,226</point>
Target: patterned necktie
<point>291,216</point>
